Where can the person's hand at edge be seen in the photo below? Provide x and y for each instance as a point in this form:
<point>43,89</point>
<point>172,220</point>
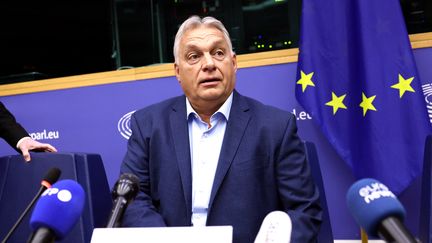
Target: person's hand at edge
<point>27,144</point>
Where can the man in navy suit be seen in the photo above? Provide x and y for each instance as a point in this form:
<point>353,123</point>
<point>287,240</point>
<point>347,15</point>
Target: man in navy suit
<point>17,137</point>
<point>213,156</point>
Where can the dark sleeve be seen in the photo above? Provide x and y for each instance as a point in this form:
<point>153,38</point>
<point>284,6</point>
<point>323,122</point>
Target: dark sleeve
<point>141,212</point>
<point>299,194</point>
<point>10,130</point>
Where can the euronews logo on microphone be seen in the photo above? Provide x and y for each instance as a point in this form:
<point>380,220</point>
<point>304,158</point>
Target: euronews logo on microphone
<point>373,191</point>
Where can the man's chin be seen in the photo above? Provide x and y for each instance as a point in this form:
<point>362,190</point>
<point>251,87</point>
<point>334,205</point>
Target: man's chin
<point>211,94</point>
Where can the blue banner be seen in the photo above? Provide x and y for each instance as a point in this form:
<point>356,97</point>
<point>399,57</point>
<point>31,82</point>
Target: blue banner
<point>357,77</point>
<point>95,119</point>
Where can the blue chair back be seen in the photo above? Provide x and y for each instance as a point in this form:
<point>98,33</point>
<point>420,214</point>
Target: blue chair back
<point>20,181</point>
<point>425,226</point>
<point>326,234</point>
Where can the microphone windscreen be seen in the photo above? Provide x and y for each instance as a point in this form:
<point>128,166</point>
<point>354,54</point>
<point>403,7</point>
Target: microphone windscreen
<point>370,202</point>
<point>128,176</point>
<point>59,208</point>
<point>52,175</point>
<point>276,227</point>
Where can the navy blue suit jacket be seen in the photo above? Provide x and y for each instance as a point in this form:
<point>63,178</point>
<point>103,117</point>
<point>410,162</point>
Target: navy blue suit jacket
<point>10,129</point>
<point>262,168</point>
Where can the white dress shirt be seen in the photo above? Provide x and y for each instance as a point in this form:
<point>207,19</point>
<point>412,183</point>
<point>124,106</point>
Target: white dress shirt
<point>205,147</point>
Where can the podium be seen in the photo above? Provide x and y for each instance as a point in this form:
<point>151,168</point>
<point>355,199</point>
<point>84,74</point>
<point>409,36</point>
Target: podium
<point>19,182</point>
<point>209,234</point>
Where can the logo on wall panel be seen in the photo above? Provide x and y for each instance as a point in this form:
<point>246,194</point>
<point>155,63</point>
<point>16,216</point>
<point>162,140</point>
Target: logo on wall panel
<point>45,134</point>
<point>427,91</point>
<point>123,125</point>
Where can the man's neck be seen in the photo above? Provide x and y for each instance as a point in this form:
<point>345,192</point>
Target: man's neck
<point>205,111</point>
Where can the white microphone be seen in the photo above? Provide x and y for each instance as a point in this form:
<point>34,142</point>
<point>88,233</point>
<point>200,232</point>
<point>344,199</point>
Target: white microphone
<point>275,228</point>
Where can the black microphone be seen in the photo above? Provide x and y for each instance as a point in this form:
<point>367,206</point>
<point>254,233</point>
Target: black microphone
<point>377,210</point>
<point>50,178</point>
<point>124,191</point>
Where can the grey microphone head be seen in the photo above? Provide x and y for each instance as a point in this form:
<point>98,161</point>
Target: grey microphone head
<point>127,186</point>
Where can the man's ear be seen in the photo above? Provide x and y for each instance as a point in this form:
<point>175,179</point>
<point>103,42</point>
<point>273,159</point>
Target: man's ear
<point>177,72</point>
<point>234,60</point>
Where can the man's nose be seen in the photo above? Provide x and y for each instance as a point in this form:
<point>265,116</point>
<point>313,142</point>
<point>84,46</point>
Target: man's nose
<point>208,62</point>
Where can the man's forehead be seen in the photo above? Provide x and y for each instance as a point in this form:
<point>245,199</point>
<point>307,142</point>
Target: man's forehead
<point>203,33</point>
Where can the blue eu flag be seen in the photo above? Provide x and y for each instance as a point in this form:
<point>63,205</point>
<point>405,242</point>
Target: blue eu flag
<point>357,77</point>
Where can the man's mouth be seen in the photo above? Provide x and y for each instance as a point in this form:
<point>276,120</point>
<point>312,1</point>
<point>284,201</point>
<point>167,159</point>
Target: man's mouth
<point>209,80</point>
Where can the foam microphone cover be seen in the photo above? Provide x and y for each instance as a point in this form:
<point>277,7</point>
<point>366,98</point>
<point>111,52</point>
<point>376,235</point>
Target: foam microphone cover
<point>276,227</point>
<point>59,208</point>
<point>370,202</point>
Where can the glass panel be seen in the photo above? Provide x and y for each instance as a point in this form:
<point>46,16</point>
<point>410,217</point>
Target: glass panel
<point>254,25</point>
<point>51,38</point>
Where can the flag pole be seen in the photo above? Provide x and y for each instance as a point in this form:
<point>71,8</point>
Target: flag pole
<point>364,236</point>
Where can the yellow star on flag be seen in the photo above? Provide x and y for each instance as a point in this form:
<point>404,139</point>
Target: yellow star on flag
<point>366,103</point>
<point>403,85</point>
<point>336,102</point>
<point>305,80</point>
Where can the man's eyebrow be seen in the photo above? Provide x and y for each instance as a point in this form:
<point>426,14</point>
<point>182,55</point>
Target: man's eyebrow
<point>190,46</point>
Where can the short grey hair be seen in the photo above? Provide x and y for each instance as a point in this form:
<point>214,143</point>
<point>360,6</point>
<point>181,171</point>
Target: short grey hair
<point>194,22</point>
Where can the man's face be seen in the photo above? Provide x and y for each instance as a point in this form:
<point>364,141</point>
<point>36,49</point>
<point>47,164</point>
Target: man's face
<point>206,67</point>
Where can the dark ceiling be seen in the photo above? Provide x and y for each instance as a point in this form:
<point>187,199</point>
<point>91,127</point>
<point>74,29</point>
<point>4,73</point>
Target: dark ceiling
<point>45,38</point>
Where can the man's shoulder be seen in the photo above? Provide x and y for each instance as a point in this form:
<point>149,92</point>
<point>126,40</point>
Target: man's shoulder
<point>257,106</point>
<point>162,106</point>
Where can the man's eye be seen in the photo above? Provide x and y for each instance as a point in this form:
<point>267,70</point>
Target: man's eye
<point>193,58</point>
<point>219,54</point>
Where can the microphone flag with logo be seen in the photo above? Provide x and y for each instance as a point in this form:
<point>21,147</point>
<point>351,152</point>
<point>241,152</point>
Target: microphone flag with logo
<point>357,77</point>
<point>377,210</point>
<point>58,209</point>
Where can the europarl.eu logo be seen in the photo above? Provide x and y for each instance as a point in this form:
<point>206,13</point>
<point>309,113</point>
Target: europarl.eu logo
<point>123,125</point>
<point>427,91</point>
<point>45,135</point>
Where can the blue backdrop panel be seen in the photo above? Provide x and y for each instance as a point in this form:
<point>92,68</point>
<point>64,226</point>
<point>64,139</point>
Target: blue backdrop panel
<point>326,234</point>
<point>19,183</point>
<point>425,228</point>
<point>87,120</point>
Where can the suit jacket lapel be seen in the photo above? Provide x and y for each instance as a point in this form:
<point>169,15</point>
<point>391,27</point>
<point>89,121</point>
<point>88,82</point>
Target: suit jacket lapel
<point>180,136</point>
<point>236,126</point>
